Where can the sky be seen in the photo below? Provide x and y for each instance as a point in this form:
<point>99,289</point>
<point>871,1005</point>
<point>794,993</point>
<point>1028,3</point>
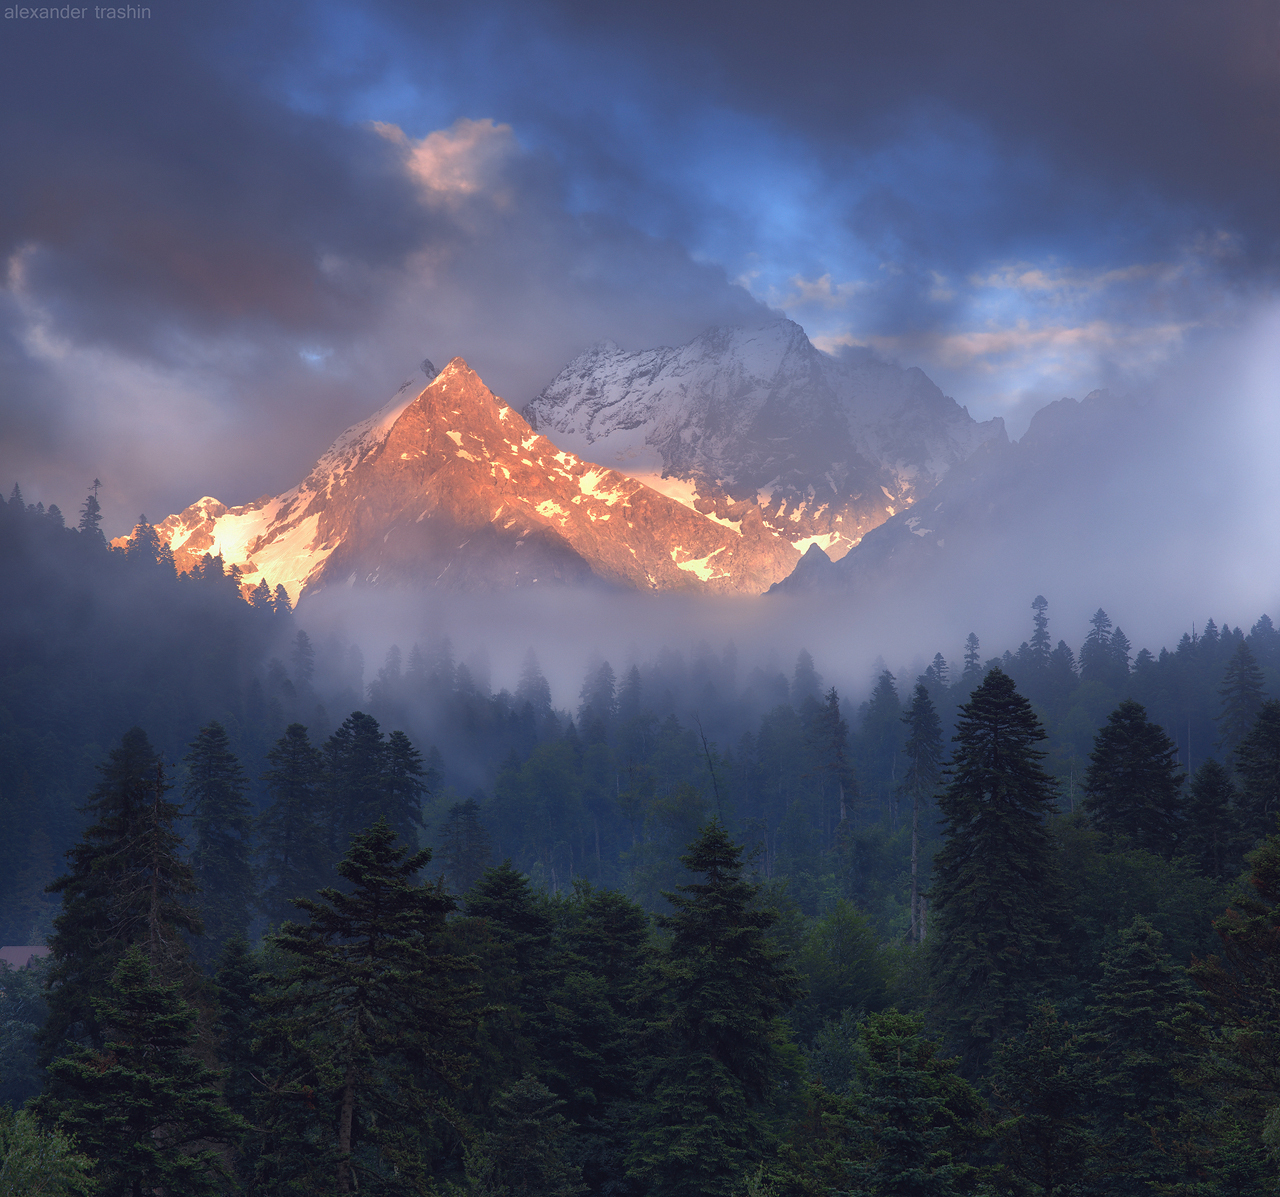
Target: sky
<point>229,230</point>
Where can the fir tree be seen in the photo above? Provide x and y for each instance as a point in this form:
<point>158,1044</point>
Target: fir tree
<point>525,1154</point>
<point>280,603</point>
<point>533,687</point>
<point>1133,789</point>
<point>377,1019</point>
<point>1242,697</point>
<point>916,1123</point>
<point>1213,838</point>
<point>1040,642</point>
<point>464,845</point>
<point>997,895</point>
<point>294,856</point>
<point>972,662</point>
<point>91,516</point>
<point>1139,1096</point>
<point>143,1107</point>
<point>1258,767</point>
<point>408,780</point>
<point>127,885</point>
<point>717,1038</point>
<point>1097,656</point>
<point>924,753</point>
<point>215,792</point>
<point>303,660</point>
<point>1043,1089</point>
<point>260,597</point>
<point>1234,1032</point>
<point>806,682</point>
<point>829,740</point>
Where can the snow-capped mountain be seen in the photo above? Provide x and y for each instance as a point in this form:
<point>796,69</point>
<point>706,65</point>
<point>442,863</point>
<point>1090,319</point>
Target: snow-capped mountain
<point>759,419</point>
<point>451,488</point>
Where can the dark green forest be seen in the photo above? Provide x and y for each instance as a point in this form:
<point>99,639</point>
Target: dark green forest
<point>1011,926</point>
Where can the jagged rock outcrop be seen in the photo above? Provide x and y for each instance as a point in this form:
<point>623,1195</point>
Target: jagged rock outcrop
<point>824,448</point>
<point>453,489</point>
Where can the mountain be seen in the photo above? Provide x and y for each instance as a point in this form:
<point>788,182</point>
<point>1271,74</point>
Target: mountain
<point>453,490</point>
<point>1116,501</point>
<point>824,448</point>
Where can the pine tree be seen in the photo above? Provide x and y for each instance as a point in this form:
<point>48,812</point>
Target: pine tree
<point>280,603</point>
<point>1258,767</point>
<point>294,855</point>
<point>972,662</point>
<point>1234,1031</point>
<point>303,660</point>
<point>1139,1096</point>
<point>127,885</point>
<point>1097,661</point>
<point>997,894</point>
<point>717,1037</point>
<point>378,1020</point>
<point>408,780</point>
<point>1213,838</point>
<point>1040,646</point>
<point>464,845</point>
<point>924,753</point>
<point>1242,697</point>
<point>525,1154</point>
<point>260,597</point>
<point>1043,1088</point>
<point>829,740</point>
<point>215,792</point>
<point>598,698</point>
<point>91,516</point>
<point>1133,789</point>
<point>533,687</point>
<point>806,682</point>
<point>143,1107</point>
<point>369,778</point>
<point>917,1124</point>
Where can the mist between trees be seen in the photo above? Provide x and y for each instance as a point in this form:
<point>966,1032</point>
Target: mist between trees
<point>715,929</point>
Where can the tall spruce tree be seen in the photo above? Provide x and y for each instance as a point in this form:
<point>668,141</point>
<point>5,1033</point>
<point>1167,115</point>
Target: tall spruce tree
<point>377,1018</point>
<point>127,885</point>
<point>1242,696</point>
<point>465,845</point>
<point>1213,839</point>
<point>1041,645</point>
<point>917,1124</point>
<point>998,899</point>
<point>829,742</point>
<point>715,1041</point>
<point>1139,1096</point>
<point>295,856</point>
<point>1234,1032</point>
<point>924,753</point>
<point>1258,767</point>
<point>1042,1089</point>
<point>1133,789</point>
<point>214,790</point>
<point>143,1106</point>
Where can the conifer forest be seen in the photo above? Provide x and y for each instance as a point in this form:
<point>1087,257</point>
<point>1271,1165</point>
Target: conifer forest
<point>320,926</point>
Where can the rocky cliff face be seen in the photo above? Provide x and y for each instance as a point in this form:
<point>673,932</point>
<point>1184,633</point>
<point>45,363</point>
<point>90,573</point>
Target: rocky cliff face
<point>740,419</point>
<point>453,489</point>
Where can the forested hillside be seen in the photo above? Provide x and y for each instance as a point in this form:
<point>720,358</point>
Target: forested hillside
<point>1005,927</point>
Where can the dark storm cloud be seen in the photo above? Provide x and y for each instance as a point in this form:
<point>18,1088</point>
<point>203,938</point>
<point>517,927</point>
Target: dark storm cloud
<point>156,194</point>
<point>1134,106</point>
<point>207,279</point>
